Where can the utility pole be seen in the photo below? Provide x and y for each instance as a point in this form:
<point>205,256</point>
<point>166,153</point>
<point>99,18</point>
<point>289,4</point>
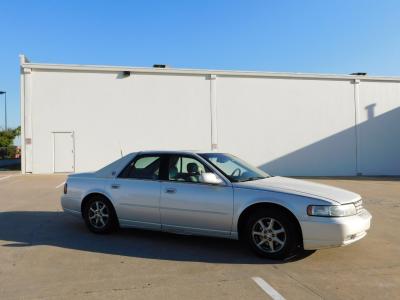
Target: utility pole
<point>5,108</point>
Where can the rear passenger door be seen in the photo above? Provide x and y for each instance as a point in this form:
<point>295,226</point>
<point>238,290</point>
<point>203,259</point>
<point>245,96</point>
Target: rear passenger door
<point>189,206</point>
<point>136,193</point>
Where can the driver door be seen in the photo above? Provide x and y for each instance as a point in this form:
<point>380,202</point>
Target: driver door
<point>189,206</point>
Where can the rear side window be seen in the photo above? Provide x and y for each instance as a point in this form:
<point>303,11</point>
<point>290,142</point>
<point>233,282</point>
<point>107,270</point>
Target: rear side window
<point>144,167</point>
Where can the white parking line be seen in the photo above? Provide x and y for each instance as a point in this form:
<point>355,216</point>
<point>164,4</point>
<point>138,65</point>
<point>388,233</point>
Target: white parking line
<point>60,185</point>
<point>2,178</point>
<point>267,288</point>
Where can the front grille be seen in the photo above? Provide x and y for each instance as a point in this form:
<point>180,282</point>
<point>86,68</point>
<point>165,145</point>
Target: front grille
<point>359,206</point>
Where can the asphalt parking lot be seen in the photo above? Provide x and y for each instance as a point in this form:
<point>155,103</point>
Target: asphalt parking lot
<point>45,254</point>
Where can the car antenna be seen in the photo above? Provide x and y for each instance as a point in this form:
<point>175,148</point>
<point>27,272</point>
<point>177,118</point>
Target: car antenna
<point>120,148</point>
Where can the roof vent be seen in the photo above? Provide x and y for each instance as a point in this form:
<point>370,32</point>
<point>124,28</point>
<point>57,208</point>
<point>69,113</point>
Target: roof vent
<point>159,66</point>
<point>359,74</point>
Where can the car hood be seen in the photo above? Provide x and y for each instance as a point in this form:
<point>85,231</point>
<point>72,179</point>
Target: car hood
<point>301,188</point>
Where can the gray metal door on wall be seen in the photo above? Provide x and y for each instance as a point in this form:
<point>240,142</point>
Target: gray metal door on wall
<point>64,161</point>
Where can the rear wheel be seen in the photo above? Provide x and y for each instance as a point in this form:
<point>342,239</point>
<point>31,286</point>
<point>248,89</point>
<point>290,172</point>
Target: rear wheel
<point>99,215</point>
<point>271,233</point>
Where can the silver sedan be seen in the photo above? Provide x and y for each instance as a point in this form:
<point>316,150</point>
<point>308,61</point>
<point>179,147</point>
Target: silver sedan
<point>216,194</point>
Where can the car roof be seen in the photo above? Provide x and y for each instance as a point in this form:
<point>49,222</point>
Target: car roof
<point>176,151</point>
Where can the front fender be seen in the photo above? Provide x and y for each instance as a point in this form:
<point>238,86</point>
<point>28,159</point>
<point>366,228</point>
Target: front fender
<point>244,198</point>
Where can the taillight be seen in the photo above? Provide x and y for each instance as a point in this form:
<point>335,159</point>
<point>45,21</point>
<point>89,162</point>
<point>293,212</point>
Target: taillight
<point>65,188</point>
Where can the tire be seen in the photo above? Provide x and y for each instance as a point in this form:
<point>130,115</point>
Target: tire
<point>99,215</point>
<point>271,233</point>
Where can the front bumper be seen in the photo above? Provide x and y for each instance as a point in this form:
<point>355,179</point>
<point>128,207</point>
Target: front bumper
<point>325,232</point>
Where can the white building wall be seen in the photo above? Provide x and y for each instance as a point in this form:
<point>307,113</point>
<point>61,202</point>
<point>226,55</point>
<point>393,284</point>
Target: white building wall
<point>108,113</point>
<point>379,128</point>
<point>287,124</point>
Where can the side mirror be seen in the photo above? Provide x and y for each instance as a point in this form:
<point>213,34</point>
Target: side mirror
<point>210,178</point>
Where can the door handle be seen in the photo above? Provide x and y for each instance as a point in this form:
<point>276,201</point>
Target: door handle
<point>170,190</point>
<point>115,186</point>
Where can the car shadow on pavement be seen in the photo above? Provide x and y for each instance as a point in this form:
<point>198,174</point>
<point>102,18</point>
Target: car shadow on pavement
<point>32,228</point>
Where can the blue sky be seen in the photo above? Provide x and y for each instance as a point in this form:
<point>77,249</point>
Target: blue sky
<point>282,36</point>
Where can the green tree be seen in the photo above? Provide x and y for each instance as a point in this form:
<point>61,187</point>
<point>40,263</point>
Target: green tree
<point>7,136</point>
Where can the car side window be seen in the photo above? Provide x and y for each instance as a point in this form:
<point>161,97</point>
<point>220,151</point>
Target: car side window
<point>145,167</point>
<point>185,169</point>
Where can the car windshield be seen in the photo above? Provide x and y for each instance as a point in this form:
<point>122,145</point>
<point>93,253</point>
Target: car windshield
<point>235,169</point>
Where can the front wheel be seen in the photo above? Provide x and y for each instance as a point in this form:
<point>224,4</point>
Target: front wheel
<point>271,233</point>
<point>99,215</point>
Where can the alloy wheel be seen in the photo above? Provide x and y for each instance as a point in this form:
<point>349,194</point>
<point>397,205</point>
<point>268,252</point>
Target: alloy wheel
<point>98,214</point>
<point>269,235</point>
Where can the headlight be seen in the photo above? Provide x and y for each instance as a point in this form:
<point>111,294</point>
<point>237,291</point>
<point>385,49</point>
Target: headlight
<point>331,210</point>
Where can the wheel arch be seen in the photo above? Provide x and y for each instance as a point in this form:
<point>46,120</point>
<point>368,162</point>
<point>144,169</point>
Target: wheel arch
<point>264,205</point>
<point>92,195</point>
